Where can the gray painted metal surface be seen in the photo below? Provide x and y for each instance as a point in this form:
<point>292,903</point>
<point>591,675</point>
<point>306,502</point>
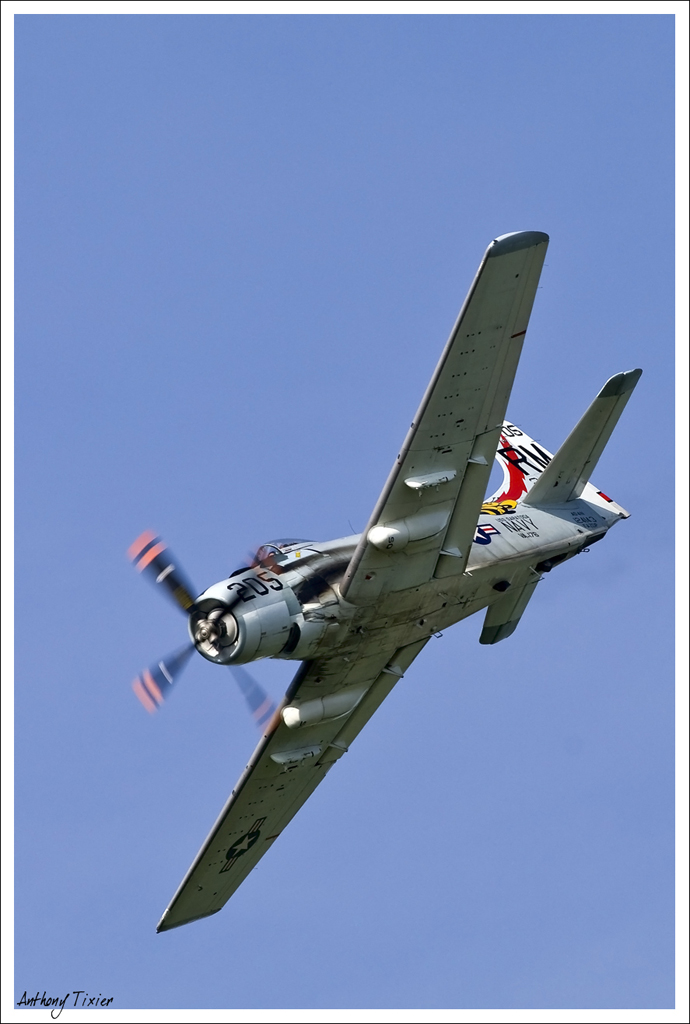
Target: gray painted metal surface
<point>358,610</point>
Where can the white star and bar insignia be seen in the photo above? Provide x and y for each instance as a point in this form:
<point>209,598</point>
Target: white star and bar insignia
<point>242,844</point>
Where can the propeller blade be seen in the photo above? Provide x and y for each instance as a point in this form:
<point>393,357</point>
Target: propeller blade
<point>151,555</point>
<point>260,705</point>
<point>155,683</point>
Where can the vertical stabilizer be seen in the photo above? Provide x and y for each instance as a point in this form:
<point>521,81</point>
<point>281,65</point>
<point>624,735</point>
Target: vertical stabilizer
<point>523,460</point>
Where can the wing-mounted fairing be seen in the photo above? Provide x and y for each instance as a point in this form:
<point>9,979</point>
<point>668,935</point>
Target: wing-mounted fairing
<point>424,521</point>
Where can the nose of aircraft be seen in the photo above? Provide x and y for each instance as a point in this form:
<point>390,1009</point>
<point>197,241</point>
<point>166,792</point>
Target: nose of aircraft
<point>213,631</point>
<point>218,626</point>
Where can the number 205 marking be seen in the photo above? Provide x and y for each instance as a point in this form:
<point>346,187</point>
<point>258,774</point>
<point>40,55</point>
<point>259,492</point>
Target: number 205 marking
<point>257,584</point>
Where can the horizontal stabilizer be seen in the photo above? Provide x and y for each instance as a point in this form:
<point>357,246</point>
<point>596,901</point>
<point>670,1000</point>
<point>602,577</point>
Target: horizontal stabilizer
<point>565,477</point>
<point>503,615</point>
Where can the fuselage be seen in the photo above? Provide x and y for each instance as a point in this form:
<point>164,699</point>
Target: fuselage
<point>289,606</point>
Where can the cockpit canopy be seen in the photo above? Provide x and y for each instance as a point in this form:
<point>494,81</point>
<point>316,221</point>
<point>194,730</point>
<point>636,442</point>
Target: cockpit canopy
<point>277,551</point>
<point>280,549</point>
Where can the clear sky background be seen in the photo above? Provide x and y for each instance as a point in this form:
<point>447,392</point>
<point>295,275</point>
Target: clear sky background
<point>241,245</point>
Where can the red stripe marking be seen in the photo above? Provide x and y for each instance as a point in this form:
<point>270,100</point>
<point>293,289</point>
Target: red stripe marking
<point>152,686</point>
<point>143,696</point>
<point>140,543</point>
<point>519,333</point>
<point>155,551</point>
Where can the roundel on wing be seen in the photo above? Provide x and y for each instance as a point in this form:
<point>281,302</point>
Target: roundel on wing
<point>243,844</point>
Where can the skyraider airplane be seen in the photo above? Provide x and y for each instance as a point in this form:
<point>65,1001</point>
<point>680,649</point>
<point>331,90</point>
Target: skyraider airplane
<point>357,611</point>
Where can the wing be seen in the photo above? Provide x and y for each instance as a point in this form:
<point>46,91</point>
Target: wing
<point>286,767</point>
<point>424,521</point>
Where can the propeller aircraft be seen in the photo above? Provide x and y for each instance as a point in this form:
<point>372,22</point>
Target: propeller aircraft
<point>355,612</point>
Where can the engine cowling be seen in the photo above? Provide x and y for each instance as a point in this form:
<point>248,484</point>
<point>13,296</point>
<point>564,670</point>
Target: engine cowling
<point>250,616</point>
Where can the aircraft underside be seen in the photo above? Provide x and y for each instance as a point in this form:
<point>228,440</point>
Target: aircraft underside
<point>357,611</point>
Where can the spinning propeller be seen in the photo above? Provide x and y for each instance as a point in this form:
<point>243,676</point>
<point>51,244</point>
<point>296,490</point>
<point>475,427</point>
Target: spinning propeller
<point>155,683</point>
<point>153,557</point>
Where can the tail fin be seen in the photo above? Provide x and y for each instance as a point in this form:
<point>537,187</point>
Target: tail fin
<point>569,471</point>
<point>523,461</point>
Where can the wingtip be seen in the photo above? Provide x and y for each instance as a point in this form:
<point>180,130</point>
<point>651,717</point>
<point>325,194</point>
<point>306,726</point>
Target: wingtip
<point>620,384</point>
<point>516,240</point>
<point>163,927</point>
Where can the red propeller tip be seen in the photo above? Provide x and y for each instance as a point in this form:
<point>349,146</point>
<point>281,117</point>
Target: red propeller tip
<point>143,696</point>
<point>149,556</point>
<point>135,549</point>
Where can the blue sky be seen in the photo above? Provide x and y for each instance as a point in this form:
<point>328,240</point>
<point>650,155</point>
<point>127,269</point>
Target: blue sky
<point>241,244</point>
